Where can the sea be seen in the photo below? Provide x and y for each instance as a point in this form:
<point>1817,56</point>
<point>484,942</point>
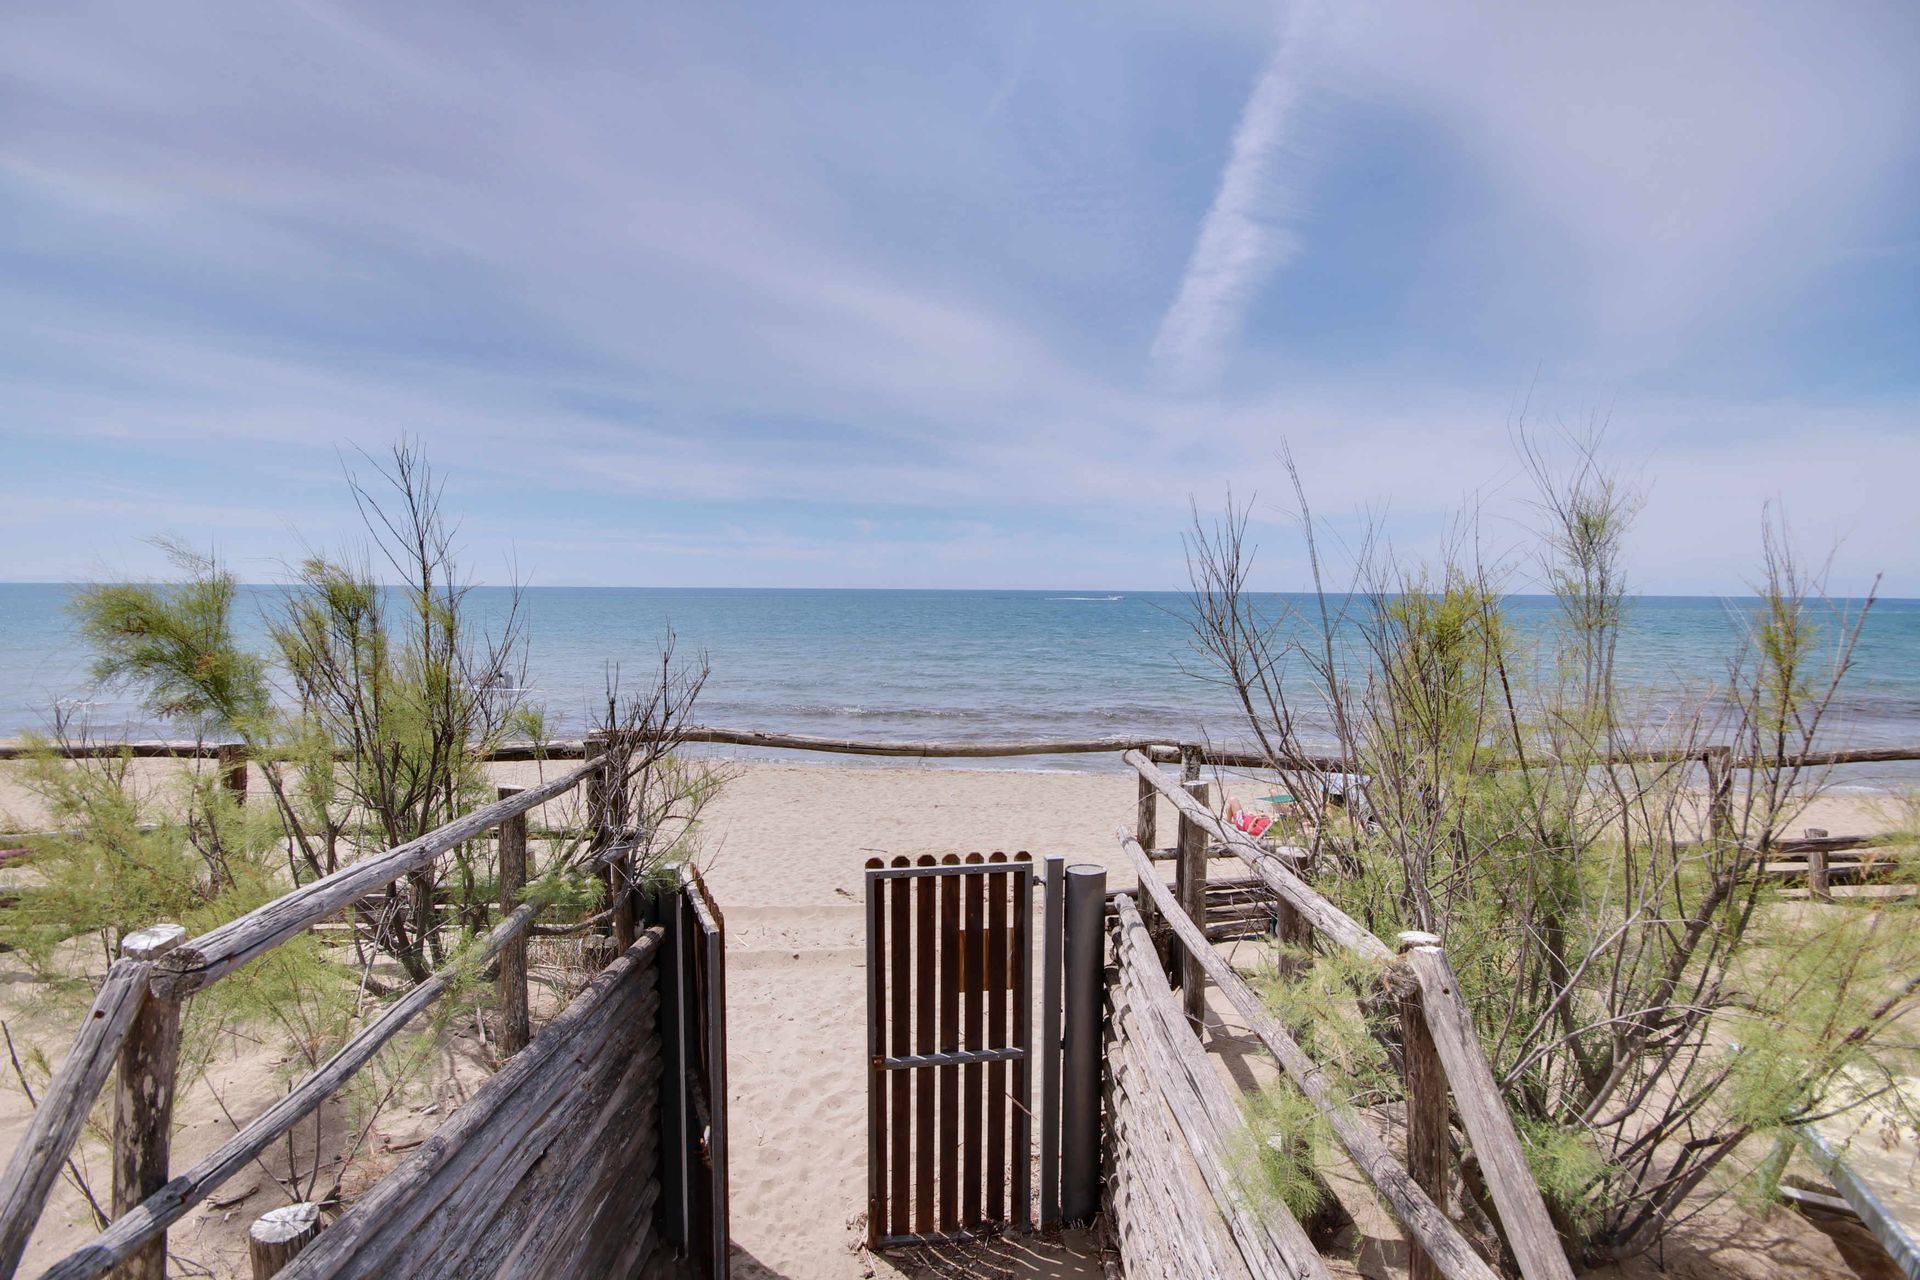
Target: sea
<point>971,666</point>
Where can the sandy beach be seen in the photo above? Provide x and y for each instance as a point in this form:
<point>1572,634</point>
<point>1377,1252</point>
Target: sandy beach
<point>783,847</point>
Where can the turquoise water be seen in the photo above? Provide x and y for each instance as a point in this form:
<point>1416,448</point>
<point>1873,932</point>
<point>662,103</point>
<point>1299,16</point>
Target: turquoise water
<point>965,665</point>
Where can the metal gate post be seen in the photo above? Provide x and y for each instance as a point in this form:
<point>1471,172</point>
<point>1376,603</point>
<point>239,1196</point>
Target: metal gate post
<point>1080,1086</point>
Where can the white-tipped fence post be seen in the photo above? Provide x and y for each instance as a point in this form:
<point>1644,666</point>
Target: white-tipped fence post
<point>1425,1079</point>
<point>278,1235</point>
<point>143,1100</point>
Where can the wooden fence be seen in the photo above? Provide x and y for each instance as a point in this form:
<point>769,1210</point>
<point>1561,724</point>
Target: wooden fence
<point>493,1147</point>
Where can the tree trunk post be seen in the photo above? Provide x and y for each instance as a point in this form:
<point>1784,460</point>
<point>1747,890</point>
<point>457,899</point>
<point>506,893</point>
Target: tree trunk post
<point>511,984</point>
<point>1190,760</point>
<point>1819,875</point>
<point>278,1235</point>
<point>1146,815</point>
<point>143,1101</point>
<point>1719,763</point>
<point>230,761</point>
<point>1190,890</point>
<point>1425,1079</point>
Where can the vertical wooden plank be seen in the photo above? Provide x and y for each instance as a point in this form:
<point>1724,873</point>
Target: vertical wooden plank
<point>974,978</point>
<point>143,1101</point>
<point>718,1166</point>
<point>925,1005</point>
<point>949,1043</point>
<point>1425,1080</point>
<point>996,1038</point>
<point>670,975</point>
<point>1022,952</point>
<point>1052,958</point>
<point>876,1048</point>
<point>900,949</point>
<point>510,986</point>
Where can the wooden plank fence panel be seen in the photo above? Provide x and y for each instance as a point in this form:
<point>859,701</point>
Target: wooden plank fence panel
<point>925,985</point>
<point>900,951</point>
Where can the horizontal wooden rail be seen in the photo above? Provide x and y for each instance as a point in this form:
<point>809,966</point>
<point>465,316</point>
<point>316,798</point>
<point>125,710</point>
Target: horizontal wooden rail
<point>576,749</point>
<point>63,1108</point>
<point>167,1205</point>
<point>220,951</point>
<point>1271,867</point>
<point>1416,1212</point>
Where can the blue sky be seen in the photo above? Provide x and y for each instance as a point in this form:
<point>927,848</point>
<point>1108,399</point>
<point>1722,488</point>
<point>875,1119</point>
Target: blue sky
<point>959,295</point>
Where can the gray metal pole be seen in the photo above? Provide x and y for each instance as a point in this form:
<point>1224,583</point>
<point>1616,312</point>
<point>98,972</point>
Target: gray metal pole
<point>1052,952</point>
<point>1080,1086</point>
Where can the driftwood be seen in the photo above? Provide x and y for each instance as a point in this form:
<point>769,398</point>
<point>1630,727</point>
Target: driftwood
<point>64,1106</point>
<point>124,1237</point>
<point>1425,1221</point>
<point>222,950</point>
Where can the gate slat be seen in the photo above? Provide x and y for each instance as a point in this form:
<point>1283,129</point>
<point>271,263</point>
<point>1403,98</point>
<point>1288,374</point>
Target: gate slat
<point>996,1035</point>
<point>924,1008</point>
<point>974,975</point>
<point>876,1046</point>
<point>1022,1036</point>
<point>949,1042</point>
<point>902,1123</point>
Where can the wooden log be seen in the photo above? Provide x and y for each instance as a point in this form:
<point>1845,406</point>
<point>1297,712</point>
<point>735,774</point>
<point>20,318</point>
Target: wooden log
<point>1424,1221</point>
<point>510,983</point>
<point>1819,882</point>
<point>1321,915</point>
<point>1718,762</point>
<point>278,1235</point>
<point>220,951</point>
<point>63,1108</point>
<point>129,1232</point>
<point>1429,1156</point>
<point>1190,890</point>
<point>144,1089</point>
<point>1523,1214</point>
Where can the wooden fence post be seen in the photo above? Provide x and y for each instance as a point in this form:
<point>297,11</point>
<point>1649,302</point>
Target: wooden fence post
<point>1190,890</point>
<point>511,984</point>
<point>1719,763</point>
<point>143,1101</point>
<point>230,761</point>
<point>1819,875</point>
<point>1146,815</point>
<point>278,1235</point>
<point>1425,1079</point>
<point>1190,758</point>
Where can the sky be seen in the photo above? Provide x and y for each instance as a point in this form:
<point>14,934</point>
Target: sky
<point>977,295</point>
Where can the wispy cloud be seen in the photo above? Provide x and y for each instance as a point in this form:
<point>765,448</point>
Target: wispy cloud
<point>1244,236</point>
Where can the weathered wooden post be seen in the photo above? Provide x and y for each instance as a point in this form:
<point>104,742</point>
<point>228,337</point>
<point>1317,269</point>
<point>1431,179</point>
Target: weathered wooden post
<point>1191,758</point>
<point>1190,890</point>
<point>143,1100</point>
<point>1146,814</point>
<point>1819,875</point>
<point>278,1235</point>
<point>1719,764</point>
<point>616,874</point>
<point>511,984</point>
<point>1425,1079</point>
<point>1081,1042</point>
<point>230,761</point>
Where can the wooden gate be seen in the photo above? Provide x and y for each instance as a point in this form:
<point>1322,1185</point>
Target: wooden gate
<point>949,1034</point>
<point>693,1096</point>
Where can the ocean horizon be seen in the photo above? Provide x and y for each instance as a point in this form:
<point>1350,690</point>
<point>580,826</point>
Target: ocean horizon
<point>960,665</point>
